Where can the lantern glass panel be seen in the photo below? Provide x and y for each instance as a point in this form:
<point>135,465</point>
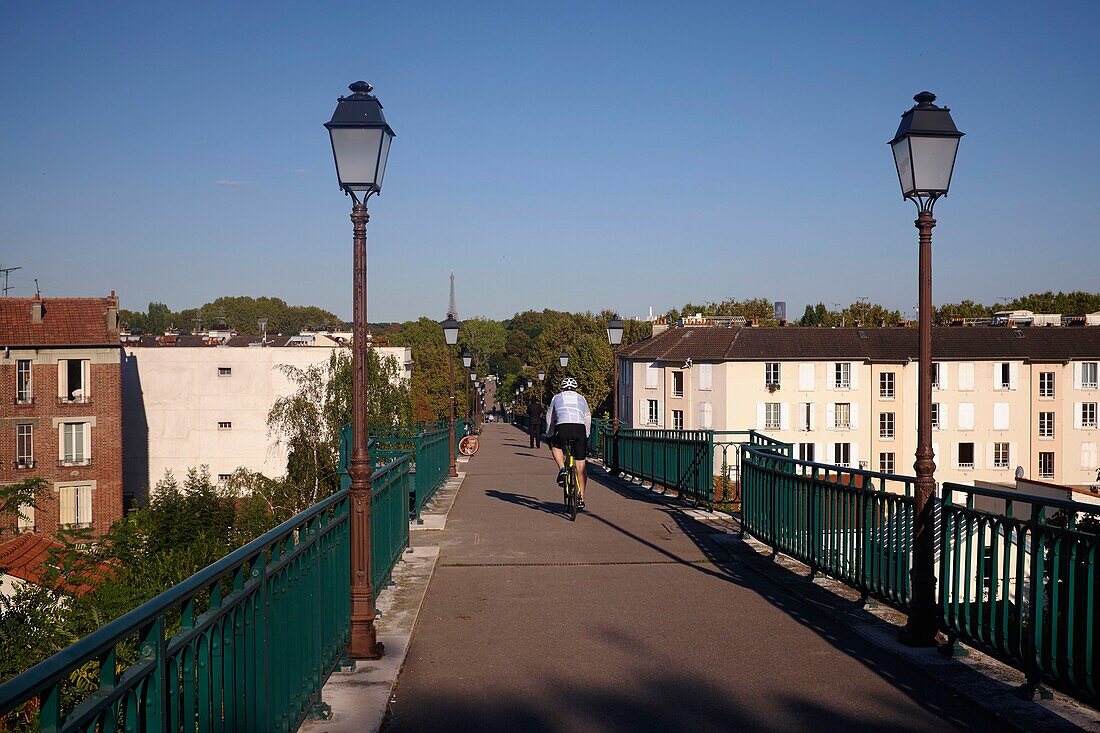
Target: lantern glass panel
<point>356,150</point>
<point>383,156</point>
<point>933,159</point>
<point>904,163</point>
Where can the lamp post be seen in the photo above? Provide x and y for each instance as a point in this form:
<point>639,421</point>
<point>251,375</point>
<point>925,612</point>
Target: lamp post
<point>614,338</point>
<point>262,323</point>
<point>467,362</point>
<point>473,410</point>
<point>360,140</point>
<point>563,359</point>
<point>924,150</point>
<point>450,335</point>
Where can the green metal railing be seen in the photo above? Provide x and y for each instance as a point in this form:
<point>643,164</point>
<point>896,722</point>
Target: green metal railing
<point>245,644</point>
<point>598,438</point>
<point>682,460</point>
<point>1024,588</point>
<point>852,524</point>
<point>429,456</point>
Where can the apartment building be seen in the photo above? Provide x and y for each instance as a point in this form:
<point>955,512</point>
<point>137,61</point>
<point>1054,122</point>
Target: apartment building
<point>1004,399</point>
<point>191,400</point>
<point>61,410</point>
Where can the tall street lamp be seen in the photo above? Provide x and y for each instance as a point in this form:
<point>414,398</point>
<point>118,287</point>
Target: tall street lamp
<point>450,335</point>
<point>360,140</point>
<point>924,152</point>
<point>614,338</point>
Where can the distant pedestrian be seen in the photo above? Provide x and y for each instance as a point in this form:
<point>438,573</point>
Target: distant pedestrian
<point>534,422</point>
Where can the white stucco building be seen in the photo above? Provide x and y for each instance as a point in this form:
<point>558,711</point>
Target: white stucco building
<point>187,403</point>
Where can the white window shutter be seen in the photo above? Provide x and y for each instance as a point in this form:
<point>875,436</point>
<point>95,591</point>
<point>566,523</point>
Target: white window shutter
<point>1078,370</point>
<point>706,376</point>
<point>61,378</point>
<point>806,377</point>
<point>853,413</point>
<point>643,413</point>
<point>819,453</point>
<point>978,456</point>
<point>830,376</point>
<point>943,375</point>
<point>997,375</point>
<point>84,496</point>
<point>1000,416</point>
<point>853,381</point>
<point>830,416</point>
<point>991,454</point>
<point>935,451</point>
<point>853,454</point>
<point>1013,456</point>
<point>759,415</point>
<point>943,415</point>
<point>1078,414</point>
<point>955,455</point>
<point>966,376</point>
<point>68,504</point>
<point>660,413</point>
<point>829,455</point>
<point>86,379</point>
<point>1088,455</point>
<point>800,423</point>
<point>651,374</point>
<point>966,416</point>
<point>813,419</point>
<point>1013,375</point>
<point>784,416</point>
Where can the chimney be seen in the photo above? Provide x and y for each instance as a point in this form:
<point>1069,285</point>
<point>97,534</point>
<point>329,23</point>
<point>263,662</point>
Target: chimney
<point>37,308</point>
<point>112,314</point>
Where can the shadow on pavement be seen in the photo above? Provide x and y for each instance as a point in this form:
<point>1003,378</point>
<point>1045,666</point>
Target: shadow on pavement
<point>528,502</point>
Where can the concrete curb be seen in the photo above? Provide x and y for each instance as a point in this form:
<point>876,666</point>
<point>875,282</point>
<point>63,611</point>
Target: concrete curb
<point>978,679</point>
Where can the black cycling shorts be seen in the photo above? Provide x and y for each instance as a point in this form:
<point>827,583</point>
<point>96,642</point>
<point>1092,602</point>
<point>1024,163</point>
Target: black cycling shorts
<point>574,431</point>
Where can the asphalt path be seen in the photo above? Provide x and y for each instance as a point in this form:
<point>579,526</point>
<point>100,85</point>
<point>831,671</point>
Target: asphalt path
<point>630,619</point>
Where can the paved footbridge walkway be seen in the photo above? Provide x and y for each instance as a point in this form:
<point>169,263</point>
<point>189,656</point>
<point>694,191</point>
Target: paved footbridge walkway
<point>631,619</point>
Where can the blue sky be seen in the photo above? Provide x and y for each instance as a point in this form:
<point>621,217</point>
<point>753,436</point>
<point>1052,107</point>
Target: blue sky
<point>565,155</point>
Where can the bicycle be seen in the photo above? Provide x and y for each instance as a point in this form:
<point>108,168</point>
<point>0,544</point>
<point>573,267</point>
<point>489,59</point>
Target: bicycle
<point>571,489</point>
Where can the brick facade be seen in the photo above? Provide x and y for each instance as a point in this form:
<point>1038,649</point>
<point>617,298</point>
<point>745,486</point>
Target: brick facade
<point>98,410</point>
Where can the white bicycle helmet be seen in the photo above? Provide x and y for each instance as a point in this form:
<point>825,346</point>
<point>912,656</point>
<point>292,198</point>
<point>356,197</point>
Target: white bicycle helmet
<point>569,383</point>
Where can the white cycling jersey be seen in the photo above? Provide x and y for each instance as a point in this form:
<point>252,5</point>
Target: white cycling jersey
<point>568,407</point>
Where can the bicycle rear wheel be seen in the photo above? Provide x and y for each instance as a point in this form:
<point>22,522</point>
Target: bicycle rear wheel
<point>572,492</point>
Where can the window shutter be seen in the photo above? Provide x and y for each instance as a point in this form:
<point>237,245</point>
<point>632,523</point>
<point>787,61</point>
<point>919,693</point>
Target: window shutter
<point>978,456</point>
<point>651,375</point>
<point>1000,416</point>
<point>61,377</point>
<point>86,380</point>
<point>1013,375</point>
<point>800,423</point>
<point>991,454</point>
<point>853,378</point>
<point>1013,456</point>
<point>966,416</point>
<point>997,375</point>
<point>943,415</point>
<point>966,376</point>
<point>830,454</point>
<point>806,377</point>
<point>935,451</point>
<point>706,376</point>
<point>853,454</point>
<point>830,416</point>
<point>1078,415</point>
<point>660,413</point>
<point>68,505</point>
<point>943,375</point>
<point>1078,371</point>
<point>784,415</point>
<point>759,415</point>
<point>830,378</point>
<point>1085,455</point>
<point>853,413</point>
<point>643,413</point>
<point>84,497</point>
<point>813,420</point>
<point>955,454</point>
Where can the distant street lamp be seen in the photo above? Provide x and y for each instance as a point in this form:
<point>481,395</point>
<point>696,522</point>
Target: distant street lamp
<point>262,323</point>
<point>614,338</point>
<point>924,152</point>
<point>563,359</point>
<point>450,336</point>
<point>360,140</point>
<point>467,358</point>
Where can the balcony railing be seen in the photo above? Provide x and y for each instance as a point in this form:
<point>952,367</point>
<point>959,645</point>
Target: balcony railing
<point>73,463</point>
<point>22,401</point>
<point>23,463</point>
<point>74,400</point>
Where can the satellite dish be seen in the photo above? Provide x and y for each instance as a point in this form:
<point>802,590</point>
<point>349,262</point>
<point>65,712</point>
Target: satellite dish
<point>1019,472</point>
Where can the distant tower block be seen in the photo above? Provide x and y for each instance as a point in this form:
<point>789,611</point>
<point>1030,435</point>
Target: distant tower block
<point>781,312</point>
<point>452,310</point>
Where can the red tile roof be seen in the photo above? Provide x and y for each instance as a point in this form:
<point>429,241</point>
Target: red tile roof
<point>866,344</point>
<point>65,322</point>
<point>31,557</point>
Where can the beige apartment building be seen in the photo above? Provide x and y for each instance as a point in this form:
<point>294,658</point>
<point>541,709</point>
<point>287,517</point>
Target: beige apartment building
<point>1004,398</point>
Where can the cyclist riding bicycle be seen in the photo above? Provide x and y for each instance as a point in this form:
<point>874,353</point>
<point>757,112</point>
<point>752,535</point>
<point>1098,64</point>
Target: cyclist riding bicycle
<point>568,418</point>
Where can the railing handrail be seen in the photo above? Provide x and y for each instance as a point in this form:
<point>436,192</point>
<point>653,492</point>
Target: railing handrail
<point>50,671</point>
<point>758,453</point>
<point>1015,496</point>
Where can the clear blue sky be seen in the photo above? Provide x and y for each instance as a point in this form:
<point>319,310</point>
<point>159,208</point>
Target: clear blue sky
<point>557,154</point>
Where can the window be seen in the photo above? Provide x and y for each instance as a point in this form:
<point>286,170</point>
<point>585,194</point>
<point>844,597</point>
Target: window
<point>886,425</point>
<point>652,375</point>
<point>1001,457</point>
<point>1046,385</point>
<point>75,438</point>
<point>886,462</point>
<point>225,425</point>
<point>966,376</point>
<point>24,446</point>
<point>843,415</point>
<point>1088,414</point>
<point>771,416</point>
<point>842,375</point>
<point>706,376</point>
<point>23,381</point>
<point>1046,424</point>
<point>806,377</point>
<point>25,520</point>
<point>706,415</point>
<point>677,419</point>
<point>677,384</point>
<point>76,506</point>
<point>225,371</point>
<point>935,415</point>
<point>1000,416</point>
<point>1004,375</point>
<point>72,376</point>
<point>966,455</point>
<point>966,416</point>
<point>224,477</point>
<point>806,452</point>
<point>886,385</point>
<point>936,375</point>
<point>771,373</point>
<point>806,416</point>
<point>1046,465</point>
<point>842,454</point>
<point>653,415</point>
<point>1088,375</point>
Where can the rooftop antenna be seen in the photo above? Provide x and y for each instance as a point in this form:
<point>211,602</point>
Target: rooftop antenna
<point>6,270</point>
<point>452,309</point>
